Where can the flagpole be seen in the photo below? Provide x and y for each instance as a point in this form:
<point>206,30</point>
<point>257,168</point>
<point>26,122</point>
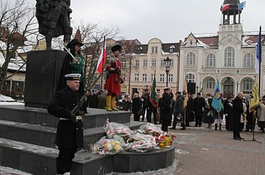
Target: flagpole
<point>101,81</point>
<point>260,56</point>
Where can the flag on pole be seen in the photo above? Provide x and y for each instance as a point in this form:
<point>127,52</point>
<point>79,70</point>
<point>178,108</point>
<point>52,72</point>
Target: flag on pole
<point>241,5</point>
<point>102,58</point>
<point>217,102</point>
<point>185,91</point>
<point>225,7</point>
<point>258,54</point>
<point>154,97</point>
<point>254,101</point>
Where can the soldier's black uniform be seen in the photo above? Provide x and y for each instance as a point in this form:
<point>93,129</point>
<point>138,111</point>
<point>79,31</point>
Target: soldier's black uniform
<point>69,136</point>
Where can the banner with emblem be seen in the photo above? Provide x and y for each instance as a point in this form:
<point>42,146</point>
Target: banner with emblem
<point>254,101</point>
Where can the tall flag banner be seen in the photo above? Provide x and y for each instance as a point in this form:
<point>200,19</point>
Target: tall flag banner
<point>217,102</point>
<point>185,93</point>
<point>225,7</point>
<point>154,97</point>
<point>254,101</point>
<point>102,58</point>
<point>258,54</point>
<point>241,5</point>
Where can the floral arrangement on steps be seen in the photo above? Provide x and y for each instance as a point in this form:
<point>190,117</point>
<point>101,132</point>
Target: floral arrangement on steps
<point>121,138</point>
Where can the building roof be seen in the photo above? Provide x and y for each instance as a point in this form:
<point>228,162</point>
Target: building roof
<point>212,41</point>
<point>231,2</point>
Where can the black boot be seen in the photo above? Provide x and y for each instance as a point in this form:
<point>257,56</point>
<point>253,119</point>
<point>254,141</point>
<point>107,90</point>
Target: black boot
<point>220,126</point>
<point>215,126</point>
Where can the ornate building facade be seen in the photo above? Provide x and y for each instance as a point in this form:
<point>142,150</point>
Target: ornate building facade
<point>228,56</point>
<point>148,63</point>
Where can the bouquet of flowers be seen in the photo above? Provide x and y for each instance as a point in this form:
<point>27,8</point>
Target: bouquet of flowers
<point>151,129</point>
<point>141,143</point>
<point>107,146</point>
<point>113,128</point>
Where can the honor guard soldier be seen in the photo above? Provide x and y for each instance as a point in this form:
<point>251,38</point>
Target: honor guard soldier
<point>69,136</point>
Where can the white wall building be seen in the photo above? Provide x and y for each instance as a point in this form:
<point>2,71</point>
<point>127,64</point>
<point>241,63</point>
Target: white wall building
<point>228,56</point>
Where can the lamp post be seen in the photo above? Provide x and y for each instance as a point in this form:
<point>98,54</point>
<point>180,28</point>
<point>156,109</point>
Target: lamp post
<point>237,86</point>
<point>167,63</point>
<point>197,88</point>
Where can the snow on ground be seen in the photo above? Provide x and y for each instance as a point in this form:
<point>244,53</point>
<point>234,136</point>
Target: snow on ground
<point>11,171</point>
<point>5,100</point>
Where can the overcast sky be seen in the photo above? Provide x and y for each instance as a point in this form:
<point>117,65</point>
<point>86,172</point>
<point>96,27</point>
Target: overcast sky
<point>168,20</point>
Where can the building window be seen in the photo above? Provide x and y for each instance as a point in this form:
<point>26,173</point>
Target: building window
<point>247,86</point>
<point>172,63</point>
<point>6,86</point>
<point>152,77</point>
<point>229,56</point>
<point>154,49</point>
<point>249,60</point>
<point>171,49</point>
<point>123,63</point>
<point>191,59</point>
<point>210,83</point>
<point>170,78</point>
<point>144,62</point>
<point>144,77</point>
<point>137,63</point>
<point>123,77</point>
<point>153,62</point>
<point>162,78</point>
<point>190,78</point>
<point>139,50</point>
<point>210,60</point>
<point>162,63</point>
<point>136,77</point>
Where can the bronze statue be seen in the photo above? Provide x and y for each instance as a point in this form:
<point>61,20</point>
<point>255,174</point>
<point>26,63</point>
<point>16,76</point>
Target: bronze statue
<point>54,19</point>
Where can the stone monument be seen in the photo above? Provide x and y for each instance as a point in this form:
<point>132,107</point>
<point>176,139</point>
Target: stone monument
<point>43,67</point>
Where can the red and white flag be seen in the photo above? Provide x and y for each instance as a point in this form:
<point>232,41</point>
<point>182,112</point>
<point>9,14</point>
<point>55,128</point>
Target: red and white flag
<point>102,59</point>
<point>225,7</point>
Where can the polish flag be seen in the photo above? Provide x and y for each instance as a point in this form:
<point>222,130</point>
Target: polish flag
<point>102,59</point>
<point>225,7</point>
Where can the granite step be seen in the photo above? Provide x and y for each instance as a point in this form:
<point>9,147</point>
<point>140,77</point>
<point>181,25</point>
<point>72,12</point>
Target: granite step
<point>41,160</point>
<point>39,116</point>
<point>45,135</point>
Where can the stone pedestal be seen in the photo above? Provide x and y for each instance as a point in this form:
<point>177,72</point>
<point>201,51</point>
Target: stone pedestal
<point>43,71</point>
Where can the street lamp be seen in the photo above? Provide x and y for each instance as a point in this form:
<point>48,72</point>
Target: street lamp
<point>167,63</point>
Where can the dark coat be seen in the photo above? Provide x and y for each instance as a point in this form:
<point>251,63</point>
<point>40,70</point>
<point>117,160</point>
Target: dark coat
<point>237,112</point>
<point>137,105</point>
<point>199,104</point>
<point>165,107</point>
<point>93,101</point>
<point>228,109</point>
<point>190,109</point>
<point>67,69</point>
<point>178,106</point>
<point>209,112</point>
<point>69,134</point>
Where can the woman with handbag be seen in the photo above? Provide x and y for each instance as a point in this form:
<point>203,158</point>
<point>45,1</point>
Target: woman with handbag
<point>137,109</point>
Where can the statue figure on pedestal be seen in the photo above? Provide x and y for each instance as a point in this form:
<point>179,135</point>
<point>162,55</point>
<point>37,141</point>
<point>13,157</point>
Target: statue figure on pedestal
<point>54,19</point>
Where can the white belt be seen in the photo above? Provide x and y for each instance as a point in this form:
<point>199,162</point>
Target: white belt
<point>64,119</point>
<point>77,118</point>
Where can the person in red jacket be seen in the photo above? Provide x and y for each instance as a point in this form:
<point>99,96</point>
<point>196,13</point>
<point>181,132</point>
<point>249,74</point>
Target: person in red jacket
<point>113,78</point>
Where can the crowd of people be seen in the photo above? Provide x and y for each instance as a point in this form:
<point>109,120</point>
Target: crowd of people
<point>184,109</point>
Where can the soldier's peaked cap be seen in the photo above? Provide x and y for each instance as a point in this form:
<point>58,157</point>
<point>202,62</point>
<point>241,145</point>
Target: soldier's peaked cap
<point>72,76</point>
